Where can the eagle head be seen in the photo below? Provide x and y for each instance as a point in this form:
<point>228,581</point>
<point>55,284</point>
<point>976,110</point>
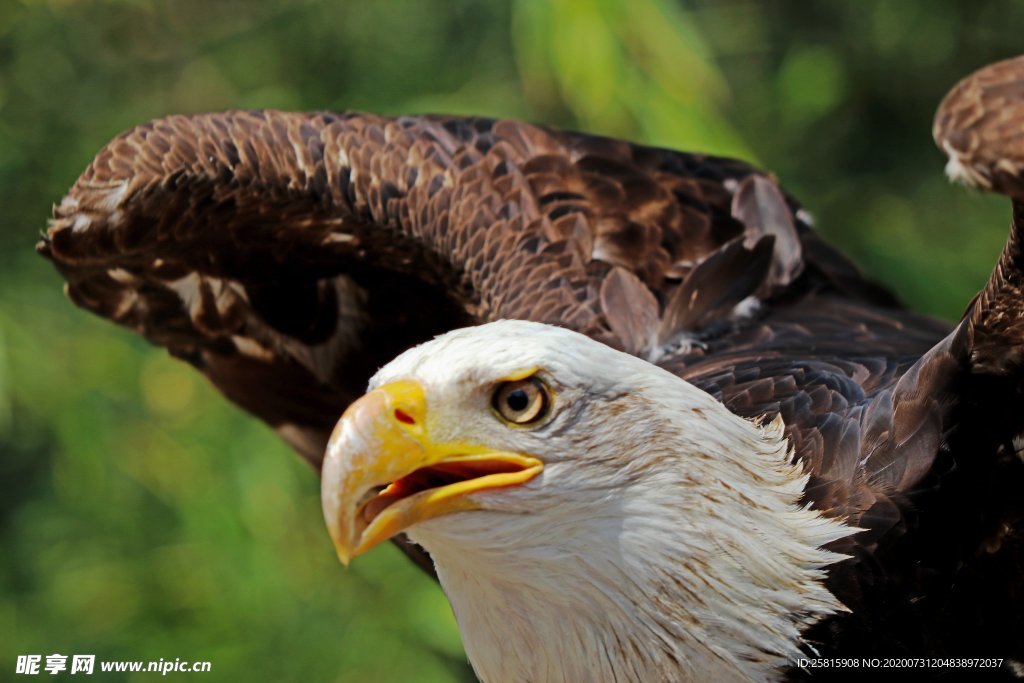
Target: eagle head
<point>590,515</point>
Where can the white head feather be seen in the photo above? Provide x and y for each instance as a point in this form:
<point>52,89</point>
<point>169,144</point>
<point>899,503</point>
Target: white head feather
<point>664,540</point>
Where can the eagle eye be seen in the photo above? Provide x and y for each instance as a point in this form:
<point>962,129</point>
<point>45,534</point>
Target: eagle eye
<point>522,401</point>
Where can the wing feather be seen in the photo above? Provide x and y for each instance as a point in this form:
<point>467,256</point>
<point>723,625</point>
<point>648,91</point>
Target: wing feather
<point>287,256</point>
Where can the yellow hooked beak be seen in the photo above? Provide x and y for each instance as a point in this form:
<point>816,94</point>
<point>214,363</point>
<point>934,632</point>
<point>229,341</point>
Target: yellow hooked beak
<point>383,473</point>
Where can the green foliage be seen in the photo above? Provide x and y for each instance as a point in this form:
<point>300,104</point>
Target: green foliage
<point>142,517</point>
<point>616,66</point>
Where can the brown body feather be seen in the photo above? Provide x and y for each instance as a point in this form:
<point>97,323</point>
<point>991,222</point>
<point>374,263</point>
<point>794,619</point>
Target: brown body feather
<point>288,256</point>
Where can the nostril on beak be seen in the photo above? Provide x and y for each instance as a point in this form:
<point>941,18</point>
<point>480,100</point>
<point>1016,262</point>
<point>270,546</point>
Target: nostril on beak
<point>404,417</point>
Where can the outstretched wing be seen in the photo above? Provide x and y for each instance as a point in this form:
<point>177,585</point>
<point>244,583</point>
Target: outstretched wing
<point>287,256</point>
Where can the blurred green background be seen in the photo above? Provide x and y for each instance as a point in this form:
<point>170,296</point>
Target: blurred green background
<point>142,517</point>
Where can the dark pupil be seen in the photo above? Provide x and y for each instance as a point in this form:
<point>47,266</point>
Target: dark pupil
<point>518,400</point>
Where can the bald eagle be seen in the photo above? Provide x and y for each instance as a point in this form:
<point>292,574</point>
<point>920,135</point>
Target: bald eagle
<point>664,431</point>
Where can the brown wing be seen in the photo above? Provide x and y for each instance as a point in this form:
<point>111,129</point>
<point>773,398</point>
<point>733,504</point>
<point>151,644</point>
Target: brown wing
<point>287,256</point>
